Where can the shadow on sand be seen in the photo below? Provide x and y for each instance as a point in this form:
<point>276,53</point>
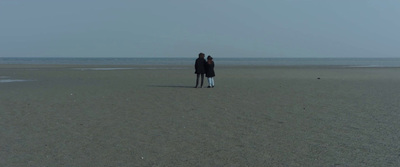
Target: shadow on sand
<point>171,86</point>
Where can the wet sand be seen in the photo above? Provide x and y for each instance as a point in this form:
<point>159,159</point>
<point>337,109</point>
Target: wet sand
<point>152,116</point>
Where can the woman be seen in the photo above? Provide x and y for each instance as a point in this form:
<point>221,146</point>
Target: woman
<point>199,67</point>
<point>210,74</point>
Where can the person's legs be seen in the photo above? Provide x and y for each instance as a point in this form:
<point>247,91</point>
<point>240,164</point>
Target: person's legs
<point>202,80</point>
<point>212,81</point>
<point>209,82</point>
<point>197,80</point>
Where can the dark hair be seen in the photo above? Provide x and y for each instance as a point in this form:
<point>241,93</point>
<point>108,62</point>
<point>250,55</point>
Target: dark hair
<point>209,57</point>
<point>201,54</point>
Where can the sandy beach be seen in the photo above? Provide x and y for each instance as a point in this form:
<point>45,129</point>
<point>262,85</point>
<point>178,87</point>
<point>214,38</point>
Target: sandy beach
<point>152,116</point>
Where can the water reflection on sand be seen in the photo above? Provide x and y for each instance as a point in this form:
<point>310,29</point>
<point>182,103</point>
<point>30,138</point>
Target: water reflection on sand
<point>135,68</point>
<point>7,79</point>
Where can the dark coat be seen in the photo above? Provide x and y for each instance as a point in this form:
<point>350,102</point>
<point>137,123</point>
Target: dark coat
<point>210,70</point>
<point>200,66</point>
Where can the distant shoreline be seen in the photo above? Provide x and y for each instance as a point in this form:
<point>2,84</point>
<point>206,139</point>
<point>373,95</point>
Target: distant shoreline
<point>194,56</point>
<point>345,62</point>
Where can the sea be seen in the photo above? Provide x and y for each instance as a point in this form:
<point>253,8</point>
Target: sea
<point>346,62</point>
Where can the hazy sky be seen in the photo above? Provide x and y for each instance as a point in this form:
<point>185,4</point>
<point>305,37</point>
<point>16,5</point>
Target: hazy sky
<point>183,28</point>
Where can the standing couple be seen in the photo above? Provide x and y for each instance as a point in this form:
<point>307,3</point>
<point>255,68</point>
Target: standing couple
<point>204,67</point>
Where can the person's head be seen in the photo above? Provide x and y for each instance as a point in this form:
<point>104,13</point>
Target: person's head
<point>201,55</point>
<point>209,57</point>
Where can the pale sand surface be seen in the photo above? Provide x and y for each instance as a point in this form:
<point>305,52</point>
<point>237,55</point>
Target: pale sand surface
<point>255,116</point>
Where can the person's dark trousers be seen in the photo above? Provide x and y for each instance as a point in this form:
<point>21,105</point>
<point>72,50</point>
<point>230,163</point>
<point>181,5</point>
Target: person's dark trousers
<point>197,80</point>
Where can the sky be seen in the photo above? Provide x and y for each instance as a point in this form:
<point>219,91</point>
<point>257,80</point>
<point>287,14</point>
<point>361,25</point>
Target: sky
<point>183,28</point>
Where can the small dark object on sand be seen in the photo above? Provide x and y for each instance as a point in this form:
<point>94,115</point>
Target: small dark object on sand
<point>318,78</point>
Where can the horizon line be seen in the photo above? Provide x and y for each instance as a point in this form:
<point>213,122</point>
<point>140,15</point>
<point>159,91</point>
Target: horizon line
<point>155,57</point>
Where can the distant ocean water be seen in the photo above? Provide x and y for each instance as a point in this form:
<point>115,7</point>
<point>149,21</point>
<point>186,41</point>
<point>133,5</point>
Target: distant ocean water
<point>348,62</point>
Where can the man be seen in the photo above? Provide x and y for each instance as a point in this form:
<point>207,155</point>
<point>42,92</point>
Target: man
<point>200,69</point>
